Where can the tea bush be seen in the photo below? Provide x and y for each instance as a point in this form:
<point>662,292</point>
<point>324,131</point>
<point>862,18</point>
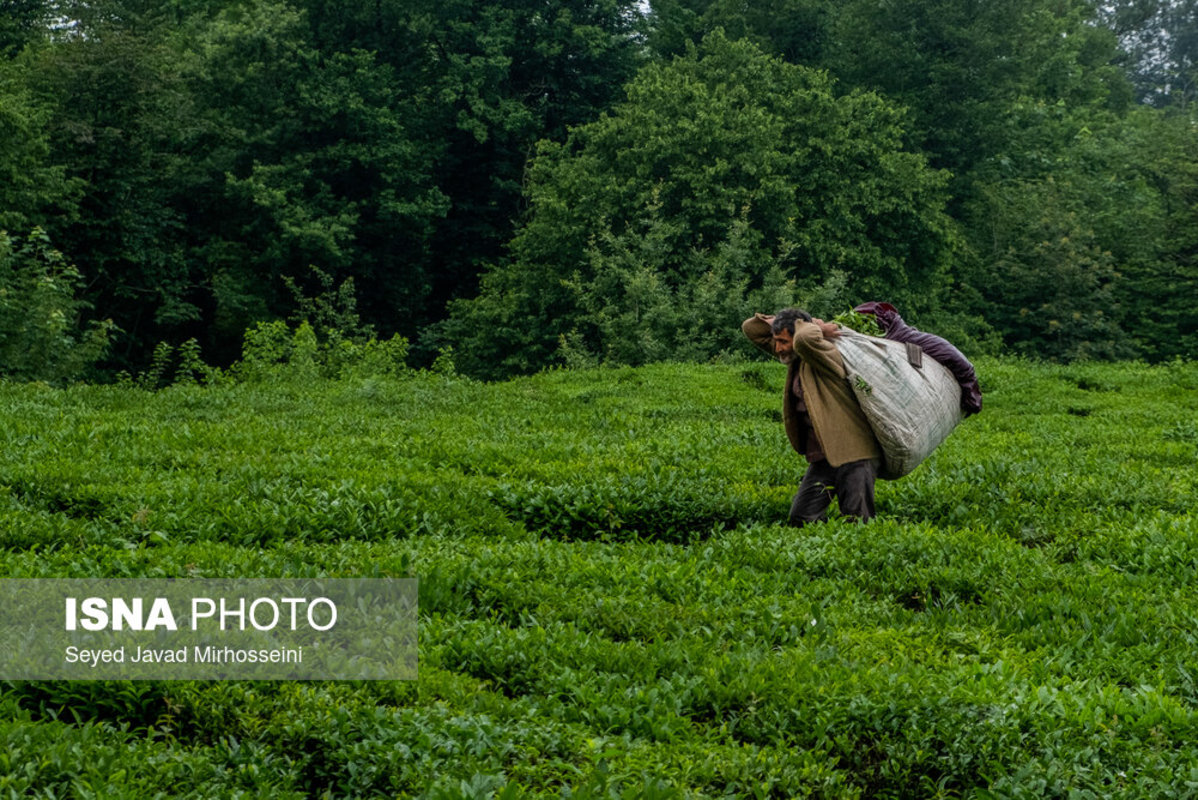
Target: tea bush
<point>609,604</point>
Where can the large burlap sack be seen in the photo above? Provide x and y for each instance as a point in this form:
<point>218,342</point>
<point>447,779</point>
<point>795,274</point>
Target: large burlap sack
<point>912,409</point>
<point>938,348</point>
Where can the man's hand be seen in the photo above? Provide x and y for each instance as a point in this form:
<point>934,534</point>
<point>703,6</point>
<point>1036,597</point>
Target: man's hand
<point>830,330</point>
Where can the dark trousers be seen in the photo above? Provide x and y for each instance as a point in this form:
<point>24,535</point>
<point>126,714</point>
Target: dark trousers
<point>852,483</point>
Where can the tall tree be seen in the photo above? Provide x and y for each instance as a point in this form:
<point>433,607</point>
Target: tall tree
<point>1161,39</point>
<point>308,160</point>
<point>494,79</point>
<point>21,22</point>
<point>117,110</point>
<point>1155,224</point>
<point>33,189</point>
<point>795,30</point>
<point>726,162</point>
<point>219,152</point>
<point>1087,250</point>
<point>960,65</point>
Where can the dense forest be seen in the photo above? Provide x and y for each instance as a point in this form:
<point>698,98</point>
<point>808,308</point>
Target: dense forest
<point>525,183</point>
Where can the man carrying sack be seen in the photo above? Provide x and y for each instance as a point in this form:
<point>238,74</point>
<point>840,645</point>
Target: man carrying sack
<point>821,415</point>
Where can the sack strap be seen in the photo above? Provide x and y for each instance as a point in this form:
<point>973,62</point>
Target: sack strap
<point>914,355</point>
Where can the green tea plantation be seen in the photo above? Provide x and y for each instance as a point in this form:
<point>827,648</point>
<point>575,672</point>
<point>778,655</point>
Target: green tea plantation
<point>610,605</point>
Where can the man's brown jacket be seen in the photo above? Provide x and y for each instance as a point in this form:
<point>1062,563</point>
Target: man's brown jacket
<point>837,418</point>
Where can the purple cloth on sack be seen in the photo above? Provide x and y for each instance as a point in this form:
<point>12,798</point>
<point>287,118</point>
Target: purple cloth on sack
<point>935,346</point>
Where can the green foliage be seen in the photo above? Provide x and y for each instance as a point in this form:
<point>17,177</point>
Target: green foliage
<point>1159,38</point>
<point>329,338</point>
<point>1156,169</point>
<point>183,365</point>
<point>1052,289</point>
<point>795,30</point>
<point>212,153</point>
<point>862,323</point>
<point>33,189</point>
<point>611,181</point>
<point>443,364</point>
<point>333,310</point>
<point>720,169</point>
<point>188,156</point>
<point>495,79</point>
<point>160,366</point>
<point>42,336</point>
<point>274,350</point>
<point>315,159</point>
<point>326,339</point>
<point>634,314</point>
<point>1084,247</point>
<point>191,367</point>
<point>22,22</point>
<point>608,603</point>
<point>961,66</point>
<point>205,150</point>
<point>118,115</point>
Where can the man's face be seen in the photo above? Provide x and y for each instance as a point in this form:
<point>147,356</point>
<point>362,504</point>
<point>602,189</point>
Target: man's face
<point>784,346</point>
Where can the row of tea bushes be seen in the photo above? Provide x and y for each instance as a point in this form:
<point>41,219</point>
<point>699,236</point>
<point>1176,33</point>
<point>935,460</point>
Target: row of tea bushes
<point>609,607</point>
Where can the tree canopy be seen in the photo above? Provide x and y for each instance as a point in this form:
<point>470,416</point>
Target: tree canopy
<point>728,163</point>
<point>533,182</point>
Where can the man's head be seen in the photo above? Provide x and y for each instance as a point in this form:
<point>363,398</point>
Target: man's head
<point>783,329</point>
